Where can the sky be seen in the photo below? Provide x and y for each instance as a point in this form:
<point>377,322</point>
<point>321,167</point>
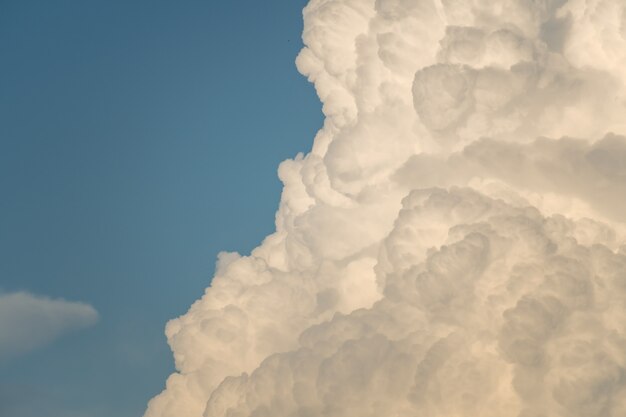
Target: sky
<point>453,244</point>
<point>137,140</point>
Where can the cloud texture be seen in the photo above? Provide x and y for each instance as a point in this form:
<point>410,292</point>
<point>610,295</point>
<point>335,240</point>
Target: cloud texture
<point>453,245</point>
<point>28,321</point>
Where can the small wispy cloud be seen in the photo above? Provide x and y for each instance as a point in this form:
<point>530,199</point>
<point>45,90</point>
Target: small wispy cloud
<point>29,321</point>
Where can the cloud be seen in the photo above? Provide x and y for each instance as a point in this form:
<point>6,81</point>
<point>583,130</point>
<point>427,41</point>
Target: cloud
<point>502,318</point>
<point>28,321</point>
<point>455,242</point>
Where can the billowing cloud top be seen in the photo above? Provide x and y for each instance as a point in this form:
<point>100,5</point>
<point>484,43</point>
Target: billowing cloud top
<point>453,245</point>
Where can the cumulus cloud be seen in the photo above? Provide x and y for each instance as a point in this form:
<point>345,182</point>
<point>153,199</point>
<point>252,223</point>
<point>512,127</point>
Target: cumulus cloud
<point>455,242</point>
<point>28,321</point>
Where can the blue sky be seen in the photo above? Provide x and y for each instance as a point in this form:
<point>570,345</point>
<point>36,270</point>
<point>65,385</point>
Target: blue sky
<point>137,140</point>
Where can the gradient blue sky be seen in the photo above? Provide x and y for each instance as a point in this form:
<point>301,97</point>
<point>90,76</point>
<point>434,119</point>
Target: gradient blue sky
<point>137,140</point>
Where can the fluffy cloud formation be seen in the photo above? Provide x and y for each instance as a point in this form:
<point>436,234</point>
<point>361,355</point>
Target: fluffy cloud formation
<point>455,242</point>
<point>28,321</point>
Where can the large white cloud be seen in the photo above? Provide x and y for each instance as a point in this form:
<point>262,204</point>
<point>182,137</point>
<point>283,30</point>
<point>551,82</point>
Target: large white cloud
<point>453,245</point>
<point>28,322</point>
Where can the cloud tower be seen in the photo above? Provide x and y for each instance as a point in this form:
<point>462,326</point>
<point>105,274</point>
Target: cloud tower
<point>454,243</point>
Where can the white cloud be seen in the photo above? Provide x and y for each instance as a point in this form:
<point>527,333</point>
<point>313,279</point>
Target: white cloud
<point>28,321</point>
<point>455,242</point>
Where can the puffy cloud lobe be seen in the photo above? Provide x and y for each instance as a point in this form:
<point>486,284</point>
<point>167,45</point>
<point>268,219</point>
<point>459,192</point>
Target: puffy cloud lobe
<point>455,242</point>
<point>28,321</point>
<point>486,324</point>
